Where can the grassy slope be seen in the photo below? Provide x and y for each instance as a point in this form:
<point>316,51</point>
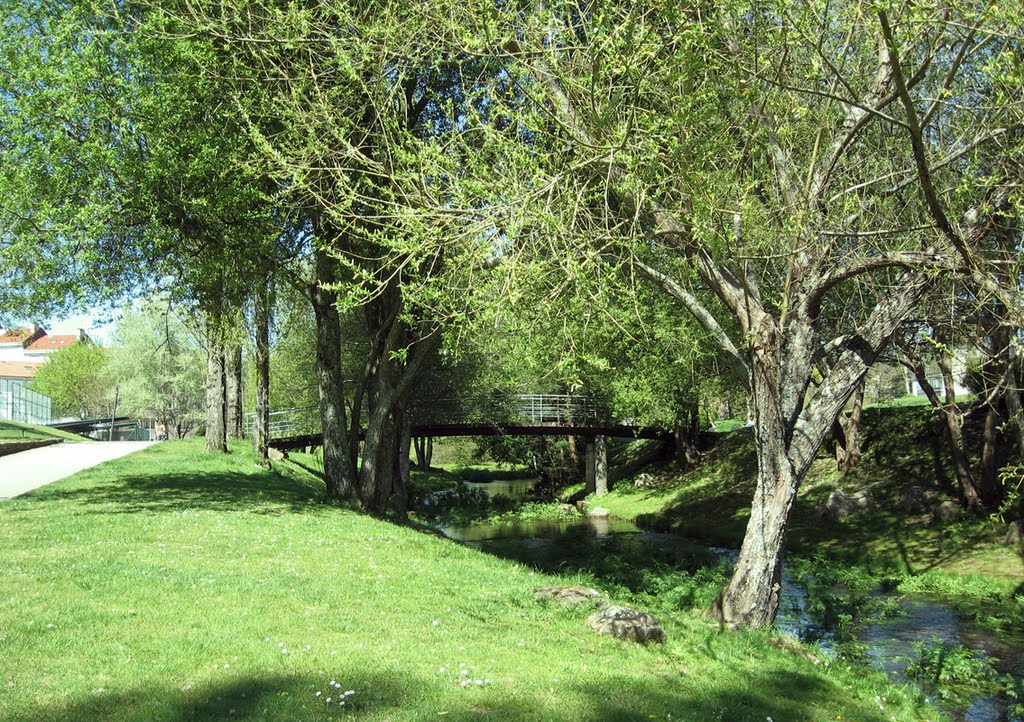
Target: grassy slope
<point>13,431</point>
<point>904,454</point>
<point>166,585</point>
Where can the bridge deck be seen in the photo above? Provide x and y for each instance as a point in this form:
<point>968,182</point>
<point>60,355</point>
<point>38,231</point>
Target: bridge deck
<point>519,415</point>
<point>300,441</point>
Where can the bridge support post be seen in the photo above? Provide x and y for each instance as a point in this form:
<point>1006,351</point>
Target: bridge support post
<point>597,466</point>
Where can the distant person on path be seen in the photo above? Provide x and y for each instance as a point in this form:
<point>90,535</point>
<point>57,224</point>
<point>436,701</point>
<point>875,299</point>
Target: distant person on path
<point>161,431</point>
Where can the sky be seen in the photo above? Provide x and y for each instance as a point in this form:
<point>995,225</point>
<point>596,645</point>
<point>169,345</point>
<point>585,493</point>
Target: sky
<point>99,329</point>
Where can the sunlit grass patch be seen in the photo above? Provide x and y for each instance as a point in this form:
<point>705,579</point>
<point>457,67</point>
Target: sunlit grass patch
<point>175,585</point>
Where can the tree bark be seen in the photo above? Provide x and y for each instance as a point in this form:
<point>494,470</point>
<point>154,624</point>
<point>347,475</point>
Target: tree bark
<point>1011,394</point>
<point>216,389</point>
<point>338,468</point>
<point>686,433</point>
<point>951,418</point>
<point>424,446</point>
<point>400,492</point>
<point>233,372</point>
<point>752,595</point>
<point>990,491</point>
<point>261,435</point>
<point>846,431</point>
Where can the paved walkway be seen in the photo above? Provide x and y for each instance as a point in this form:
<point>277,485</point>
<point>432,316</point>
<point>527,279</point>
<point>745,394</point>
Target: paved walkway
<point>36,467</point>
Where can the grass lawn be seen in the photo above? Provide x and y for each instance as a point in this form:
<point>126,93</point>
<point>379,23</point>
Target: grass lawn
<point>174,585</point>
<point>14,432</point>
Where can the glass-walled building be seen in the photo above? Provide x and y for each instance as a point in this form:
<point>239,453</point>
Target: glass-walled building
<point>19,403</point>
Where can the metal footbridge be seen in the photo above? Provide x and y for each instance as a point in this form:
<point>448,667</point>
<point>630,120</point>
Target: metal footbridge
<point>515,415</point>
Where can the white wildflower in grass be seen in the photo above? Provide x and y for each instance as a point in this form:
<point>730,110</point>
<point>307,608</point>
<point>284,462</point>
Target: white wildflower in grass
<point>284,650</point>
<point>318,693</point>
<point>328,700</point>
<point>308,647</point>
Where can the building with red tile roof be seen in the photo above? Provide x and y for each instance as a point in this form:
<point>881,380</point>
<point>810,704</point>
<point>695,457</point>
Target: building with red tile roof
<point>23,350</point>
<point>48,344</point>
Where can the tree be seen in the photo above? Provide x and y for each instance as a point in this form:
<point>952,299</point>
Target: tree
<point>158,367</point>
<point>121,171</point>
<point>787,161</point>
<point>75,379</point>
<point>353,117</point>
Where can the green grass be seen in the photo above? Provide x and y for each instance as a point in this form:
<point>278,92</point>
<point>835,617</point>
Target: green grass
<point>14,432</point>
<point>166,585</point>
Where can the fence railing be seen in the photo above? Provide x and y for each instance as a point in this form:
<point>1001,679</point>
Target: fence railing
<point>18,403</point>
<point>563,409</point>
<point>286,423</point>
<point>555,409</point>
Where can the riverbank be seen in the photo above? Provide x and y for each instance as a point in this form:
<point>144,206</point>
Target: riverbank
<point>908,526</point>
<point>180,585</point>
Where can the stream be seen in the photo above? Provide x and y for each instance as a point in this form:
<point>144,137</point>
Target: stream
<point>887,641</point>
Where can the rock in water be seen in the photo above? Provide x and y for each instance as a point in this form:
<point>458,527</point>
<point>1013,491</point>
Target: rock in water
<point>599,512</point>
<point>626,623</point>
<point>568,595</point>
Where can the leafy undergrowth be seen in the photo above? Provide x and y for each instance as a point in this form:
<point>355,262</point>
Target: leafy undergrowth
<point>174,585</point>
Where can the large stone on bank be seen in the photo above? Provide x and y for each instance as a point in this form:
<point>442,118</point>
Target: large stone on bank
<point>1014,533</point>
<point>599,512</point>
<point>569,596</point>
<point>840,505</point>
<point>644,481</point>
<point>276,454</point>
<point>915,500</point>
<point>948,512</point>
<point>625,623</point>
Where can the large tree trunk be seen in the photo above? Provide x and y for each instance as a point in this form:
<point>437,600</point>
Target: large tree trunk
<point>686,434</point>
<point>990,491</point>
<point>950,414</point>
<point>378,462</point>
<point>961,463</point>
<point>261,435</point>
<point>846,432</point>
<point>400,497</point>
<point>216,389</point>
<point>752,595</point>
<point>1011,395</point>
<point>338,469</point>
<point>233,371</point>
<point>424,446</point>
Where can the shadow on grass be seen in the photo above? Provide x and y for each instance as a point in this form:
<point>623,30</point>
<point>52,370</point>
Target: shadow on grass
<point>784,694</point>
<point>216,490</point>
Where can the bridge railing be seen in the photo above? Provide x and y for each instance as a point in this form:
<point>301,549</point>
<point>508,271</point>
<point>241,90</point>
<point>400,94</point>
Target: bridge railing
<point>562,409</point>
<point>286,423</point>
<point>554,409</point>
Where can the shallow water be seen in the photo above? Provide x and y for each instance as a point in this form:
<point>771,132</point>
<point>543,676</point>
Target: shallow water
<point>889,642</point>
<point>512,488</point>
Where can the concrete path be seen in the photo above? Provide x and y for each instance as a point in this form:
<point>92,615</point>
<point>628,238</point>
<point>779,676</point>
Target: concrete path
<point>31,469</point>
